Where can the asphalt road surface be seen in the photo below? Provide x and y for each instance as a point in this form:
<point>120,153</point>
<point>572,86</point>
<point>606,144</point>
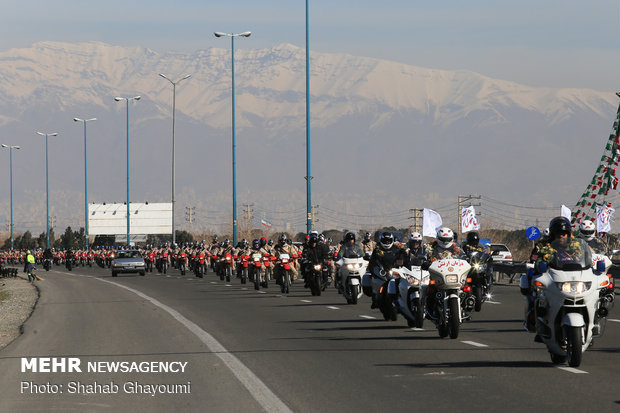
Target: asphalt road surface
<point>244,351</point>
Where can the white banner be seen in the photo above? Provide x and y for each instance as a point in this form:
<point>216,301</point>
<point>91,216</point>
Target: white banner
<point>431,223</point>
<point>603,218</point>
<point>565,212</point>
<point>468,220</point>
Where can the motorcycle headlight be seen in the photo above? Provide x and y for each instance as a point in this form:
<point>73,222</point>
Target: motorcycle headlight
<point>452,278</point>
<point>317,267</point>
<point>476,266</point>
<point>350,267</point>
<point>574,287</point>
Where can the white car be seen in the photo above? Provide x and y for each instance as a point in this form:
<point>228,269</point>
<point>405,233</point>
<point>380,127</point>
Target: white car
<point>500,254</point>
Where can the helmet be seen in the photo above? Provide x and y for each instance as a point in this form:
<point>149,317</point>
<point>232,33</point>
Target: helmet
<point>367,236</point>
<point>349,236</point>
<point>587,229</point>
<point>263,241</point>
<point>244,243</point>
<point>386,240</point>
<point>226,243</point>
<point>313,239</point>
<point>282,240</point>
<point>215,238</point>
<point>559,225</point>
<point>546,232</point>
<point>414,238</point>
<point>473,239</point>
<point>255,244</point>
<point>322,238</point>
<point>445,237</point>
<point>270,242</point>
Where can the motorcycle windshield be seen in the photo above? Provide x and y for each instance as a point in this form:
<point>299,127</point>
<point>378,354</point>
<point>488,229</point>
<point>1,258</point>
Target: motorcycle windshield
<point>351,251</point>
<point>572,254</point>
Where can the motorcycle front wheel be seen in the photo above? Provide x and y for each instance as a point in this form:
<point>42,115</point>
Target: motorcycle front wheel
<point>354,291</point>
<point>453,320</point>
<point>478,297</point>
<point>573,346</point>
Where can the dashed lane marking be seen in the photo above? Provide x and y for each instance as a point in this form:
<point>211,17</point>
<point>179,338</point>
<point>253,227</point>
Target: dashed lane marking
<point>493,302</point>
<point>305,301</point>
<point>368,317</point>
<point>331,307</point>
<point>573,370</point>
<point>614,320</point>
<point>473,343</point>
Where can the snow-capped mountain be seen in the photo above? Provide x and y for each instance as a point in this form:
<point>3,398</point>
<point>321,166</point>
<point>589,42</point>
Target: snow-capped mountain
<point>375,124</point>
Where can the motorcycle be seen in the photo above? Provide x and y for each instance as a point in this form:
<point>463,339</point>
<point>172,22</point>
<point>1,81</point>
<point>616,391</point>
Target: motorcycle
<point>200,268</point>
<point>47,264</point>
<point>350,272</point>
<point>408,293</point>
<point>226,267</point>
<point>283,271</point>
<point>182,262</point>
<point>445,292</point>
<point>243,268</point>
<point>255,273</point>
<point>316,275</point>
<point>480,280</point>
<point>376,285</point>
<point>570,301</point>
<point>69,263</point>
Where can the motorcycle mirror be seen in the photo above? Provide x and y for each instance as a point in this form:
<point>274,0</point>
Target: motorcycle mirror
<point>426,265</point>
<point>366,258</point>
<point>600,266</point>
<point>542,267</point>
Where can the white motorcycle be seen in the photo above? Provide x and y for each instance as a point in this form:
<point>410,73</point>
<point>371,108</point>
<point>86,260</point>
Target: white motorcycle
<point>350,272</point>
<point>409,293</point>
<point>569,301</point>
<point>376,285</point>
<point>445,291</point>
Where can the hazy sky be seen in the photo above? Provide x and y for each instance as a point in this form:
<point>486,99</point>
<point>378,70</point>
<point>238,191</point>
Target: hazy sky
<point>555,43</point>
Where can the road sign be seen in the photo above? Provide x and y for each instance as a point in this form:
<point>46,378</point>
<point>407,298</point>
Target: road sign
<point>532,233</point>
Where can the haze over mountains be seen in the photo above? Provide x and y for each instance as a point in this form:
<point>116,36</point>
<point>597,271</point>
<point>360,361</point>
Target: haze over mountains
<point>385,136</point>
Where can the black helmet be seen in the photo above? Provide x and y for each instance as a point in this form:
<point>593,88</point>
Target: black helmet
<point>386,240</point>
<point>559,225</point>
<point>473,239</point>
<point>367,236</point>
<point>255,244</point>
<point>313,240</point>
<point>282,240</point>
<point>349,236</point>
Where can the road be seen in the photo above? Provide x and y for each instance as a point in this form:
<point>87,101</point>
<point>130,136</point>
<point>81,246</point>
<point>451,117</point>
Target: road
<point>261,351</point>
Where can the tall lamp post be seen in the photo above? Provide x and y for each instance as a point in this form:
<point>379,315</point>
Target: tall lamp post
<point>11,147</point>
<point>234,154</point>
<point>47,188</point>
<point>119,99</point>
<point>308,147</point>
<point>174,99</point>
<point>85,180</point>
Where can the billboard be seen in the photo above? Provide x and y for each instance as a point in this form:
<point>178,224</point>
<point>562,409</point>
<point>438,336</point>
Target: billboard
<point>145,218</point>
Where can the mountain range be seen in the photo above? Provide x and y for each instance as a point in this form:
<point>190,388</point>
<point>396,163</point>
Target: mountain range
<point>385,136</point>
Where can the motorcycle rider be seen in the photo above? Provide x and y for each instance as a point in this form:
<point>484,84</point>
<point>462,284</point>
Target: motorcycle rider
<point>313,253</point>
<point>368,245</point>
<point>415,250</point>
<point>386,255</point>
<point>283,247</point>
<point>444,246</point>
<point>587,230</point>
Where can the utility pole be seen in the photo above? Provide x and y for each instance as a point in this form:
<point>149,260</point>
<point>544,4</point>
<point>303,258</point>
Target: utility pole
<point>248,212</point>
<point>417,215</point>
<point>189,217</point>
<point>462,199</point>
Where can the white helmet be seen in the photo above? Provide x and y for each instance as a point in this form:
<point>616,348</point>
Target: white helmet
<point>416,236</point>
<point>587,230</point>
<point>445,237</point>
<point>546,233</point>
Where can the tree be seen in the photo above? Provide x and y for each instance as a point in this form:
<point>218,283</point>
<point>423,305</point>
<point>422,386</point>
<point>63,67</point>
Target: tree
<point>68,239</point>
<point>183,236</point>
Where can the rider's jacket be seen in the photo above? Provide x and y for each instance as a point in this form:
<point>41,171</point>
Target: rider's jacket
<point>387,258</point>
<point>435,252</point>
<point>315,255</point>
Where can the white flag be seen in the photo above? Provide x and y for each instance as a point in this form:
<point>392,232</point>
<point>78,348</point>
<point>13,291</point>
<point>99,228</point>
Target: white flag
<point>468,220</point>
<point>431,223</point>
<point>566,213</point>
<point>603,218</point>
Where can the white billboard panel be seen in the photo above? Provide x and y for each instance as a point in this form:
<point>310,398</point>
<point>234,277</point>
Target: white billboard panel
<point>145,218</point>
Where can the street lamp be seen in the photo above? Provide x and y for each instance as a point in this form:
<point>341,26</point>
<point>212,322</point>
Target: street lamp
<point>47,188</point>
<point>85,180</point>
<point>119,99</point>
<point>308,147</point>
<point>234,155</point>
<point>11,147</point>
<point>174,99</point>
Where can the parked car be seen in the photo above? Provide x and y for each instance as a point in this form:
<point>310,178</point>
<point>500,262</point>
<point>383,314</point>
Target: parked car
<point>500,254</point>
<point>128,261</point>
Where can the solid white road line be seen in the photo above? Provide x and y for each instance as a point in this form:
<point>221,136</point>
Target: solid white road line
<point>261,393</point>
<point>614,320</point>
<point>573,370</point>
<point>473,343</point>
